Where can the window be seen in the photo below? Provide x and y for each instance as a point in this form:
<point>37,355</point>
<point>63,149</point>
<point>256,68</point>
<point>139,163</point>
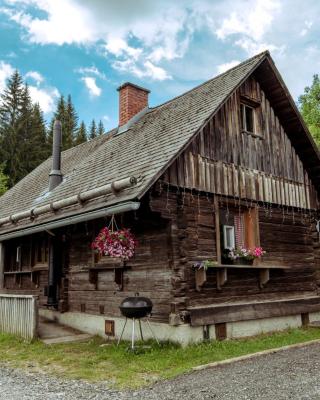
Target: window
<point>238,228</point>
<point>25,253</point>
<point>228,237</point>
<point>247,118</point>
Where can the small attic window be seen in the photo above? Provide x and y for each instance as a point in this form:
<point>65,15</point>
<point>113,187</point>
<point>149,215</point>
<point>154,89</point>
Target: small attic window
<point>247,118</point>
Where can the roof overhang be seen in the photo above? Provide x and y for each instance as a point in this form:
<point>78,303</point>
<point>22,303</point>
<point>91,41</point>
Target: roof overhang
<point>287,111</point>
<point>71,220</point>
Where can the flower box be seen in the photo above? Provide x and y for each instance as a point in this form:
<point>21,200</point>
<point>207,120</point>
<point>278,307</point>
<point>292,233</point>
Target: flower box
<point>242,261</point>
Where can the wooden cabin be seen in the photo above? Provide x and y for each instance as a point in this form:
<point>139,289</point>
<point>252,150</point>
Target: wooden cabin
<point>228,163</point>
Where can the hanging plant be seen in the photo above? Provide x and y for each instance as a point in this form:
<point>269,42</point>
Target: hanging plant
<point>119,243</point>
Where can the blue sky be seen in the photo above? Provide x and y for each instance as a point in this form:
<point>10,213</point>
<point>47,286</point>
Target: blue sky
<point>88,48</point>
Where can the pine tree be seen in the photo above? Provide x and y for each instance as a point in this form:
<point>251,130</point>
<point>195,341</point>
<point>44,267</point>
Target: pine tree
<point>40,149</point>
<point>3,181</point>
<point>60,115</point>
<point>68,117</point>
<point>70,123</point>
<point>11,107</point>
<point>24,135</point>
<point>93,129</point>
<point>101,130</point>
<point>81,136</point>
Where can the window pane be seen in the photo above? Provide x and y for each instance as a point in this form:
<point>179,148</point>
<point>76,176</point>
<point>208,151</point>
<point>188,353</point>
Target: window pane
<point>242,110</point>
<point>249,119</point>
<point>228,233</point>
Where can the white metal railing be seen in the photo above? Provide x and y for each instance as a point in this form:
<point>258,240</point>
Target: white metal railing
<point>19,315</point>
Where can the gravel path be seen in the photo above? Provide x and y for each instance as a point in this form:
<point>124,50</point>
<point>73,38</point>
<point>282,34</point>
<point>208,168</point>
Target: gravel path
<point>293,374</point>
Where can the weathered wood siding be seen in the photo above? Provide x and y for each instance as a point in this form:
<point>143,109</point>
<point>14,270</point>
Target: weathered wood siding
<point>148,273</point>
<point>265,167</point>
<point>289,242</point>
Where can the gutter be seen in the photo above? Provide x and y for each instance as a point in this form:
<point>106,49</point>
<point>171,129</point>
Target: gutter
<point>104,212</point>
<point>81,197</point>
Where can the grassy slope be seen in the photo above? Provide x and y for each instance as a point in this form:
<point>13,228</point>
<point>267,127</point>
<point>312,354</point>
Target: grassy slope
<point>121,368</point>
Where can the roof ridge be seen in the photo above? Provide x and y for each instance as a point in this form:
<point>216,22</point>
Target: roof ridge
<point>246,61</point>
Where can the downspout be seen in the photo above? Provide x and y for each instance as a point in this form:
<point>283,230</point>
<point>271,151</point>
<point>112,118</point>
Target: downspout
<point>55,261</point>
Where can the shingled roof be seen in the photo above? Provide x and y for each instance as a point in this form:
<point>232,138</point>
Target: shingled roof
<point>143,151</point>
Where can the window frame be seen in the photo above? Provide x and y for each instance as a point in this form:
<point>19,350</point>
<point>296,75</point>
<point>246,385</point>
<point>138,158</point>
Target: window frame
<point>251,228</point>
<point>255,106</point>
<point>225,238</point>
<point>244,126</point>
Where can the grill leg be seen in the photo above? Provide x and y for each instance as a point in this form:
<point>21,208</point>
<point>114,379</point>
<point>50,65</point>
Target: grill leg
<point>154,336</point>
<point>132,339</point>
<point>124,326</point>
<point>140,330</point>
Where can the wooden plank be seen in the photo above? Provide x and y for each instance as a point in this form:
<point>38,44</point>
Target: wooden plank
<point>222,277</point>
<point>214,314</point>
<point>264,277</point>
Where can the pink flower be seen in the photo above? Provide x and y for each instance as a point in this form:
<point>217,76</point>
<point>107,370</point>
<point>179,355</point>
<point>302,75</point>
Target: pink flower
<point>120,243</point>
<point>258,252</point>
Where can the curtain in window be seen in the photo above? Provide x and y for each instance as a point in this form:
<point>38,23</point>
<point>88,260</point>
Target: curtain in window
<point>239,229</point>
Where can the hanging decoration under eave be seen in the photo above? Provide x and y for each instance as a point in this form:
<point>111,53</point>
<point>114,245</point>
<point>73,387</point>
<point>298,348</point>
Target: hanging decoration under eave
<point>114,242</point>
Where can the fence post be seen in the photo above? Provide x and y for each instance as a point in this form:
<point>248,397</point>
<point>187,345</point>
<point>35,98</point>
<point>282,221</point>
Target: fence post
<point>35,317</point>
<point>1,265</point>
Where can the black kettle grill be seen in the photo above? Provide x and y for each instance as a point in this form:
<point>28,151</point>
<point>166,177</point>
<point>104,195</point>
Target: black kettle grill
<point>136,308</point>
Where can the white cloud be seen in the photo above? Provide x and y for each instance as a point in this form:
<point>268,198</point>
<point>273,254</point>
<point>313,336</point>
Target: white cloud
<point>57,27</point>
<point>188,39</point>
<point>154,72</point>
<point>253,47</point>
<point>307,27</point>
<point>145,70</point>
<point>254,20</point>
<point>6,70</point>
<point>93,70</point>
<point>91,85</point>
<point>106,118</point>
<point>119,47</point>
<point>162,30</point>
<point>224,67</point>
<point>46,97</point>
<point>36,76</point>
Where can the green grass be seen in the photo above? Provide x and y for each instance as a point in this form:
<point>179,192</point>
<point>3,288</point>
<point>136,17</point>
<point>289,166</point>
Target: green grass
<point>121,368</point>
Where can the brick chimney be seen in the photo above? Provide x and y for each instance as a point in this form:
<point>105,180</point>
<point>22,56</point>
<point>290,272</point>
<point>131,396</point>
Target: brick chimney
<point>132,100</point>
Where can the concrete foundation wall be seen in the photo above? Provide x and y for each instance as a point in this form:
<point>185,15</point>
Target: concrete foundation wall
<point>314,316</point>
<point>251,328</point>
<point>183,334</point>
<point>95,324</point>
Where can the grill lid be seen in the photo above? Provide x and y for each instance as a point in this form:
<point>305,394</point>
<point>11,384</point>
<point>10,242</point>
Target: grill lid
<point>136,307</point>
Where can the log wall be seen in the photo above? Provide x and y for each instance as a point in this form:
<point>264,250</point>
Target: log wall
<point>287,239</point>
<point>148,273</point>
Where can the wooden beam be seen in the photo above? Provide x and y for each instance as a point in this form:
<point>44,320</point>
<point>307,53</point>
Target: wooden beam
<point>217,226</point>
<point>222,277</point>
<point>232,312</point>
<point>264,277</point>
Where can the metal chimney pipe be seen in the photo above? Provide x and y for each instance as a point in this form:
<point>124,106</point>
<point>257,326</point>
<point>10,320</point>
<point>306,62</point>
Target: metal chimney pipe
<point>55,176</point>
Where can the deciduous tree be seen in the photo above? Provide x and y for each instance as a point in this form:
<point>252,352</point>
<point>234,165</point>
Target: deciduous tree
<point>309,104</point>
